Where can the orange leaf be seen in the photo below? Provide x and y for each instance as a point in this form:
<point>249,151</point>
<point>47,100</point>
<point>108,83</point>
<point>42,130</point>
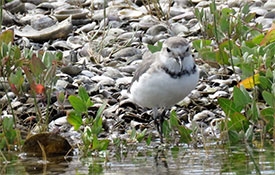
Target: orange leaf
<point>250,82</point>
<point>38,88</point>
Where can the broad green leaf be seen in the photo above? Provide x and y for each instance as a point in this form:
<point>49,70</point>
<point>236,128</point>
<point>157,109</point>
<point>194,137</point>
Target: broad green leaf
<point>240,99</point>
<point>75,119</point>
<point>78,105</point>
<point>265,83</point>
<point>237,122</point>
<point>268,112</point>
<point>228,106</point>
<point>269,98</point>
<point>222,57</point>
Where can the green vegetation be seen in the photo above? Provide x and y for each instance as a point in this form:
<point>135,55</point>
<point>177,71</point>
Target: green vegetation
<point>230,39</point>
<point>92,125</point>
<point>25,73</point>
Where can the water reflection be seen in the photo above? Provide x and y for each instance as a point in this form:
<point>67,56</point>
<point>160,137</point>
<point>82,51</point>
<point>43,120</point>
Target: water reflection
<point>215,159</point>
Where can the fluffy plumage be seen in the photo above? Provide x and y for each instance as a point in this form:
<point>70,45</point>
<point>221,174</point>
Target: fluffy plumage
<point>166,77</point>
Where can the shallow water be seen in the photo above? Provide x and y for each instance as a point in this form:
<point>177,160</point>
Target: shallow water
<point>215,159</point>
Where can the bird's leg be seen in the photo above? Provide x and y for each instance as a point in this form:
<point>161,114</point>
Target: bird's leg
<point>158,124</point>
<point>161,120</point>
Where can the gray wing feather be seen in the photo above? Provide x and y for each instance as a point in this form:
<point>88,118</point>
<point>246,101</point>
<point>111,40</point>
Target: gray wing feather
<point>143,67</point>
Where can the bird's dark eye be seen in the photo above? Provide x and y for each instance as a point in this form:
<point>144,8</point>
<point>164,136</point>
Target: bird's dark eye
<point>168,50</point>
<point>187,49</point>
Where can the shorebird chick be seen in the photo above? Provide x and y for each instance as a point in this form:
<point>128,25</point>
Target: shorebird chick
<point>164,78</point>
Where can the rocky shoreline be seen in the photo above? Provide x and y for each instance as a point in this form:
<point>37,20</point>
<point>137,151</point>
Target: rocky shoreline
<point>103,42</point>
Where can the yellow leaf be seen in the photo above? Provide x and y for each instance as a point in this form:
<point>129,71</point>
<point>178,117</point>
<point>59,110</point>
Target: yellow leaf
<point>250,82</point>
<point>269,37</point>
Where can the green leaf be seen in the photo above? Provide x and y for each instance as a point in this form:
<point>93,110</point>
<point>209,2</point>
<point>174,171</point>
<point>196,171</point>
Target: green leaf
<point>265,83</point>
<point>185,134</point>
<point>240,97</point>
<point>97,123</point>
<point>268,115</point>
<point>174,119</point>
<point>200,44</point>
<point>100,145</point>
<point>83,94</point>
<point>77,103</point>
<point>75,119</point>
<point>37,66</point>
<point>222,57</point>
<point>269,98</point>
<point>268,112</point>
<point>140,136</point>
<point>255,111</point>
<point>229,106</point>
<point>6,37</point>
<point>101,109</point>
<point>17,78</point>
<point>48,59</point>
<point>149,139</point>
<point>234,137</point>
<point>50,75</point>
<point>153,48</point>
<point>166,129</point>
<point>7,124</point>
<point>133,134</point>
<point>97,126</point>
<point>249,17</point>
<point>237,122</point>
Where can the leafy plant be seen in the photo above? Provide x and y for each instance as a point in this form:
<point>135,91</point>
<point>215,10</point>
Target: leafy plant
<point>230,39</point>
<point>172,126</point>
<point>92,125</point>
<point>10,137</point>
<point>20,67</point>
